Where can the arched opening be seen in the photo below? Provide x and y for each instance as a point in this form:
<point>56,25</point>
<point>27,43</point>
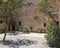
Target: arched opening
<point>13,27</point>
<point>44,24</point>
<point>1,21</point>
<point>20,23</point>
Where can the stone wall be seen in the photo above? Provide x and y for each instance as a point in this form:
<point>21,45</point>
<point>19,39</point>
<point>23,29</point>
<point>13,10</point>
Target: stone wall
<point>31,17</point>
<point>28,15</point>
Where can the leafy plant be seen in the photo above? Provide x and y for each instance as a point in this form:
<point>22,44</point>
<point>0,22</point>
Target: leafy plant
<point>26,30</point>
<point>53,31</point>
<point>49,34</point>
<point>8,9</point>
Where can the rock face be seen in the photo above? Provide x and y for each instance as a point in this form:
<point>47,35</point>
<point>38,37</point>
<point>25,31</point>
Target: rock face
<point>31,18</point>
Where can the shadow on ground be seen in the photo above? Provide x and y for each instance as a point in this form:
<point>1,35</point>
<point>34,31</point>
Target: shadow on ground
<point>17,43</point>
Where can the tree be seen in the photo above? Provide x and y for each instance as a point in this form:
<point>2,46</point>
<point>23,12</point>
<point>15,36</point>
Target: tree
<point>53,31</point>
<point>8,8</point>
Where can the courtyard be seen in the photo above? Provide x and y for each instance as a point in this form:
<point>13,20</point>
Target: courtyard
<point>24,40</point>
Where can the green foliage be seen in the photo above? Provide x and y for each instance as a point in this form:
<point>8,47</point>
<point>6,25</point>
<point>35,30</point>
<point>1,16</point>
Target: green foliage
<point>53,34</point>
<point>44,6</point>
<point>26,30</point>
<point>57,37</point>
<point>53,31</point>
<point>1,1</point>
<point>9,8</point>
<point>49,34</point>
<point>40,7</point>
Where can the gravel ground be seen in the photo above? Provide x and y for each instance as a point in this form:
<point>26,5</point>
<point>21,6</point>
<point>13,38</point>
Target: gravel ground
<point>32,40</point>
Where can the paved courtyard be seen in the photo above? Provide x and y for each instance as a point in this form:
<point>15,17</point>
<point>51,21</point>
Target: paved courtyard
<point>32,40</point>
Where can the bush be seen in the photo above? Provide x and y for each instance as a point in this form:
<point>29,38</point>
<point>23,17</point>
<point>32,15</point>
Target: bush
<point>57,40</point>
<point>26,30</point>
<point>49,34</point>
<point>53,35</point>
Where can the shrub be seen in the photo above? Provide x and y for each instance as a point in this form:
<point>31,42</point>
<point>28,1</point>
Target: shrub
<point>57,40</point>
<point>26,30</point>
<point>53,35</point>
<point>49,34</point>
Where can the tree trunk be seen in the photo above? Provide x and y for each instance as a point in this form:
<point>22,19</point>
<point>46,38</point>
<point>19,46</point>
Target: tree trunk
<point>4,36</point>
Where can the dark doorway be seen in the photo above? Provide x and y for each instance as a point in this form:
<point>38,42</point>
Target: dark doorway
<point>13,27</point>
<point>20,23</point>
<point>1,21</point>
<point>44,24</point>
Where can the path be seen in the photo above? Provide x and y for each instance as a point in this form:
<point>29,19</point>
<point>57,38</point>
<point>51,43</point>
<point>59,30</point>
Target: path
<point>38,39</point>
